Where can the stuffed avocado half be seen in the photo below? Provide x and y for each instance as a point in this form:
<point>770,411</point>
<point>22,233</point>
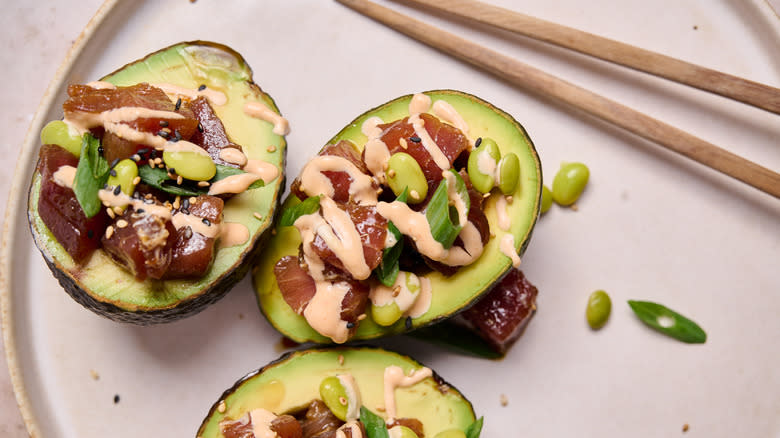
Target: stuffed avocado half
<point>362,392</point>
<point>458,147</point>
<point>194,105</point>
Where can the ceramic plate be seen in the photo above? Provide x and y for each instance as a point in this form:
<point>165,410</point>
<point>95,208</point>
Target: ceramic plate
<point>651,225</point>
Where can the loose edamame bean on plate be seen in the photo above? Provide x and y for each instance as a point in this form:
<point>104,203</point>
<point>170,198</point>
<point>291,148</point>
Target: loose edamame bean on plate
<point>403,171</point>
<point>598,310</point>
<point>546,199</point>
<point>569,183</point>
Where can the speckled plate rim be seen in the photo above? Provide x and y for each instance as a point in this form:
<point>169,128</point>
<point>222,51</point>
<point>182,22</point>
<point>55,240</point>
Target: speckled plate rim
<point>16,196</point>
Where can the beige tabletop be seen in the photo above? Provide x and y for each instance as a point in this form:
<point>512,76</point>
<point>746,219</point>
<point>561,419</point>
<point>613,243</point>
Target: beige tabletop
<point>37,37</point>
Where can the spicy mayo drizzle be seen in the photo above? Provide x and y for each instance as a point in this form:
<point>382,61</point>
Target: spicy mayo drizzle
<point>263,112</point>
<point>395,378</point>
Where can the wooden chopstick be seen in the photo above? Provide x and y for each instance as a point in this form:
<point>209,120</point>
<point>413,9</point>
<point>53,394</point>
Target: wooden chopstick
<point>538,81</point>
<point>752,93</point>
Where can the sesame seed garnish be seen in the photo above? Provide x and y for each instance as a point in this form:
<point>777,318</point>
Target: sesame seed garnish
<point>94,374</point>
<point>396,291</point>
<point>408,323</point>
<point>258,216</point>
<point>200,127</point>
<point>177,202</point>
<point>140,211</point>
<point>136,158</point>
<point>116,398</point>
<point>203,183</point>
<point>113,163</point>
<point>574,207</point>
<point>303,266</point>
<point>185,210</point>
<point>90,234</point>
<point>178,104</point>
<point>414,194</point>
<point>273,231</point>
<point>271,149</point>
<point>202,87</point>
<point>163,123</point>
<point>149,201</point>
<point>362,316</point>
<point>185,203</point>
<point>391,173</point>
<point>109,232</point>
<point>121,223</point>
<point>157,160</point>
<point>504,400</point>
<point>343,400</point>
<point>206,222</point>
<point>118,210</point>
<point>163,134</point>
<point>509,199</point>
<point>402,142</point>
<point>478,142</point>
<point>179,180</point>
<point>380,408</point>
<point>177,134</point>
<point>112,172</point>
<point>221,407</point>
<point>415,139</point>
<point>193,200</point>
<point>117,190</point>
<point>100,150</point>
<point>110,212</point>
<point>188,233</point>
<point>350,325</point>
<point>142,151</point>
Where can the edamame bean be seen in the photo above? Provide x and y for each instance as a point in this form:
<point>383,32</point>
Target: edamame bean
<point>451,433</point>
<point>123,175</point>
<point>508,173</point>
<point>546,199</point>
<point>482,165</point>
<point>386,315</point>
<point>403,171</point>
<point>401,432</point>
<point>598,310</point>
<point>569,183</point>
<point>190,165</point>
<point>57,132</point>
<point>334,396</point>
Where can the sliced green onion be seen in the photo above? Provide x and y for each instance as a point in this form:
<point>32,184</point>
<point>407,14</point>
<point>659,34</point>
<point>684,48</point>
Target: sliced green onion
<point>291,214</point>
<point>91,176</point>
<point>442,217</point>
<point>387,271</point>
<point>668,322</point>
<point>374,424</point>
<point>159,179</point>
<point>475,428</point>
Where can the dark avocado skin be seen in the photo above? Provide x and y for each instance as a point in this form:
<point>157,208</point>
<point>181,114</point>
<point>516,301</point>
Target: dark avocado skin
<point>194,302</point>
<point>441,384</point>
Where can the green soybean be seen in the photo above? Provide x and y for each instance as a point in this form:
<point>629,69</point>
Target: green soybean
<point>190,165</point>
<point>451,433</point>
<point>57,132</point>
<point>598,310</point>
<point>334,396</point>
<point>546,199</point>
<point>123,175</point>
<point>482,165</point>
<point>386,315</point>
<point>403,432</point>
<point>508,173</point>
<point>403,171</point>
<point>569,183</point>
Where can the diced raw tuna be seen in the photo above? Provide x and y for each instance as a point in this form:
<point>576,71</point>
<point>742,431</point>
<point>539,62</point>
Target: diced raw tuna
<point>286,426</point>
<point>319,421</point>
<point>192,253</point>
<point>142,246</point>
<point>502,314</point>
<point>211,134</point>
<point>295,284</point>
<point>84,99</point>
<point>61,212</point>
<point>239,428</point>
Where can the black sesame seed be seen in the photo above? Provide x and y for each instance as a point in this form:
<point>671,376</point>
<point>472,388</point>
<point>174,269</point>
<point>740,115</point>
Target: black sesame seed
<point>178,104</point>
<point>408,323</point>
<point>154,153</point>
<point>172,171</point>
<point>142,151</point>
<point>202,87</point>
<point>185,203</point>
<point>185,210</point>
<point>100,150</point>
<point>177,134</point>
<point>174,139</point>
<point>90,234</point>
<point>415,139</point>
<point>207,222</point>
<point>200,127</point>
<point>112,172</point>
<point>163,123</point>
<point>113,163</point>
<point>163,134</point>
<point>116,398</point>
<point>140,211</point>
<point>478,142</point>
<point>350,325</point>
<point>105,186</point>
<point>117,190</point>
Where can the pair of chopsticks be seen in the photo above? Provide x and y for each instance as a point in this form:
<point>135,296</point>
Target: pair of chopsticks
<point>523,75</point>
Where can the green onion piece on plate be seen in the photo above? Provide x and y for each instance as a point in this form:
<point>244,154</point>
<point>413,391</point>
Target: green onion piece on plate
<point>668,322</point>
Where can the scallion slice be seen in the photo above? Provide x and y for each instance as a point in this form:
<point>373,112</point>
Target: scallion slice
<point>443,217</point>
<point>668,322</point>
<point>374,424</point>
<point>291,214</point>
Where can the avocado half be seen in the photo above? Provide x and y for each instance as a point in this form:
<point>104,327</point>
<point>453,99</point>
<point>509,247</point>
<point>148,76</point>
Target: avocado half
<point>450,294</point>
<point>287,385</point>
<point>109,290</point>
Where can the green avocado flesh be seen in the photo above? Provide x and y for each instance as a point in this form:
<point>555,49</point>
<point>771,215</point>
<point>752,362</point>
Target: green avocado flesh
<point>107,288</point>
<point>289,384</point>
<point>449,294</point>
